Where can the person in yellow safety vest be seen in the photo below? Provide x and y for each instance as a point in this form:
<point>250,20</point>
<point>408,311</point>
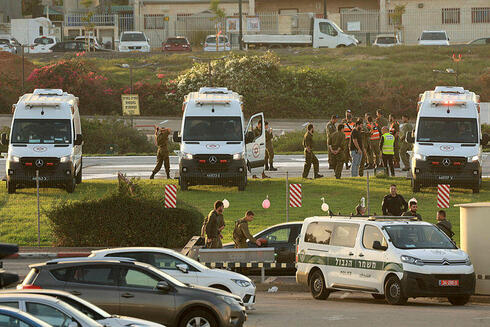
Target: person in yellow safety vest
<point>374,142</point>
<point>348,128</point>
<point>395,130</point>
<point>387,147</point>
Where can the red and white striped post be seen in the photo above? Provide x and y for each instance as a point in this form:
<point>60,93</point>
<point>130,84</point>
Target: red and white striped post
<point>295,195</point>
<point>443,191</point>
<point>170,196</point>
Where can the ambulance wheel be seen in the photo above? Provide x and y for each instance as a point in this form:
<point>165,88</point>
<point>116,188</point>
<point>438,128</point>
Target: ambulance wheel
<point>458,299</point>
<point>78,178</point>
<point>415,186</point>
<point>378,296</point>
<point>317,286</point>
<point>183,184</point>
<point>394,291</point>
<point>10,187</point>
<point>70,186</point>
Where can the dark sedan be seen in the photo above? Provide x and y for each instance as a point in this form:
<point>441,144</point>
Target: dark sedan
<point>175,44</point>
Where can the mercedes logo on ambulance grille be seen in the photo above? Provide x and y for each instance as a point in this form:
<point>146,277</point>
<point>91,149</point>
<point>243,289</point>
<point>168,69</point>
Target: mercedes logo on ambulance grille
<point>446,162</point>
<point>212,160</point>
<point>39,163</point>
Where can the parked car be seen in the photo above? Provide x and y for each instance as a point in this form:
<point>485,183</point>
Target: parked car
<point>94,43</point>
<point>136,289</point>
<point>43,44</point>
<point>134,41</point>
<point>13,41</point>
<point>50,310</point>
<point>88,308</point>
<point>433,38</point>
<point>6,46</point>
<point>223,43</point>
<point>15,317</point>
<point>282,237</point>
<point>386,40</point>
<point>69,46</point>
<point>178,43</point>
<point>187,270</point>
<point>480,41</point>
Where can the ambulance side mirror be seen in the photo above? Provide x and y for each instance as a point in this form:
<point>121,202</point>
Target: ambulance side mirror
<point>410,138</point>
<point>176,137</point>
<point>5,140</point>
<point>484,140</point>
<point>249,137</point>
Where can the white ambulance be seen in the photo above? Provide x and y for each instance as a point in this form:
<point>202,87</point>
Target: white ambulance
<point>45,136</point>
<point>216,145</point>
<point>391,258</point>
<point>447,139</point>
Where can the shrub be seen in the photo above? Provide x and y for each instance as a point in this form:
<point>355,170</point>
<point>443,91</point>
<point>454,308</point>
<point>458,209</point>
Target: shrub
<point>122,220</point>
<point>293,141</point>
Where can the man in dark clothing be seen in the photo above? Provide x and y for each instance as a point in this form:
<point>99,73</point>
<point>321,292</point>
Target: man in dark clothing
<point>330,129</point>
<point>336,144</point>
<point>394,204</point>
<point>357,150</point>
<point>412,203</point>
<point>310,158</point>
<point>444,224</point>
<point>161,140</point>
<point>241,233</point>
<point>214,223</point>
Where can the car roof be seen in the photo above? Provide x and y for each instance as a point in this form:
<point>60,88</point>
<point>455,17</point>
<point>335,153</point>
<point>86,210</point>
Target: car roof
<point>377,220</point>
<point>84,260</point>
<point>31,296</point>
<point>133,248</point>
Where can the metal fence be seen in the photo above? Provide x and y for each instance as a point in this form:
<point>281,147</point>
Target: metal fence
<point>5,28</point>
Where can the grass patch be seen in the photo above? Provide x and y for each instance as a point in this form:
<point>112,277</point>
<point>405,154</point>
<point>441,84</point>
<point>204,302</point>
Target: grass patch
<point>19,215</point>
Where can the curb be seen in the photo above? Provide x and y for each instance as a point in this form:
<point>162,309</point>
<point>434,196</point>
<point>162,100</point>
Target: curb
<point>47,255</point>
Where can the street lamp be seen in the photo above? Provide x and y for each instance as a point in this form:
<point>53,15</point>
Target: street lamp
<point>131,67</point>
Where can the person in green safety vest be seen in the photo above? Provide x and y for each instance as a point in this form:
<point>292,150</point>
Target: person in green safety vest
<point>387,147</point>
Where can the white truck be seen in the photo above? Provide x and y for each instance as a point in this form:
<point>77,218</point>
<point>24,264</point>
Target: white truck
<point>216,147</point>
<point>447,139</point>
<point>29,30</point>
<point>45,136</point>
<point>324,34</point>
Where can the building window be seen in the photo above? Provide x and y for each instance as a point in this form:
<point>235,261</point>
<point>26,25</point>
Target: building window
<point>394,20</point>
<point>451,16</point>
<point>154,22</point>
<point>480,15</point>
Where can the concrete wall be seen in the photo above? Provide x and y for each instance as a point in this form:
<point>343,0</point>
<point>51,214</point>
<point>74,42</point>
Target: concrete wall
<point>315,6</point>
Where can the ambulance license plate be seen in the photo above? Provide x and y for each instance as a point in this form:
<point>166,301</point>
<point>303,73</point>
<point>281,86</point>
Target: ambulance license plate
<point>215,175</point>
<point>445,283</point>
<point>445,178</point>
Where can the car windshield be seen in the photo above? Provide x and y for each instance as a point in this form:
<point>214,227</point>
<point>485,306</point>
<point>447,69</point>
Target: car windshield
<point>433,36</point>
<point>413,236</point>
<point>386,40</point>
<point>447,130</point>
<point>130,37</point>
<point>4,41</point>
<point>55,131</point>
<point>213,129</point>
<point>212,39</point>
<point>177,41</point>
<point>43,40</point>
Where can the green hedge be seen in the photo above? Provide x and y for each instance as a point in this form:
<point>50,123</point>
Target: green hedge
<point>293,141</point>
<point>122,220</point>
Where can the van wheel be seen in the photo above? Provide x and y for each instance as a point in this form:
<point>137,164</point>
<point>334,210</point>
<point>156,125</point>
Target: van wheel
<point>10,187</point>
<point>78,178</point>
<point>378,296</point>
<point>415,186</point>
<point>198,318</point>
<point>458,299</point>
<point>183,184</point>
<point>70,186</point>
<point>394,292</point>
<point>318,288</point>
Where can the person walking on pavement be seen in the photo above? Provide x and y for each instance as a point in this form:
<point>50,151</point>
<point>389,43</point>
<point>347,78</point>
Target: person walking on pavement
<point>395,130</point>
<point>310,157</point>
<point>412,204</point>
<point>444,224</point>
<point>241,232</point>
<point>258,132</point>
<point>161,140</point>
<point>348,127</point>
<point>330,129</point>
<point>213,226</point>
<point>269,149</point>
<point>405,131</point>
<point>380,120</point>
<point>356,148</point>
<point>387,148</point>
<point>336,145</point>
<point>374,142</point>
<point>393,204</point>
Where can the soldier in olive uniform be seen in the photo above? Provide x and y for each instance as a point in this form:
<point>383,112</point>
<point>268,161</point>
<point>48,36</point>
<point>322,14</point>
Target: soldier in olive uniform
<point>336,145</point>
<point>161,140</point>
<point>241,233</point>
<point>310,157</point>
<point>380,120</point>
<point>330,129</point>
<point>213,225</point>
<point>269,149</point>
<point>405,130</point>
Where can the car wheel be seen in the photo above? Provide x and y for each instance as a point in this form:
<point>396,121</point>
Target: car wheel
<point>10,187</point>
<point>318,288</point>
<point>70,186</point>
<point>458,299</point>
<point>198,318</point>
<point>394,291</point>
<point>378,296</point>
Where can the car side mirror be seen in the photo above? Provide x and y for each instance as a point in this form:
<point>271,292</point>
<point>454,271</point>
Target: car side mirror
<point>377,246</point>
<point>78,139</point>
<point>183,267</point>
<point>163,286</point>
<point>176,137</point>
<point>484,140</point>
<point>249,137</point>
<point>5,140</point>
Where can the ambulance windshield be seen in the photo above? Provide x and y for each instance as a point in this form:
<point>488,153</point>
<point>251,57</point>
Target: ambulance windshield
<point>447,130</point>
<point>36,131</point>
<point>213,129</point>
<point>418,237</point>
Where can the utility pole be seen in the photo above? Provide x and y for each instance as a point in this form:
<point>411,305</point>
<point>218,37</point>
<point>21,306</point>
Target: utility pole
<point>324,8</point>
<point>240,28</point>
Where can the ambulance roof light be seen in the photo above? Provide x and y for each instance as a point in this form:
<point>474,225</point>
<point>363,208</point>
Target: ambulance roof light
<point>214,90</point>
<point>450,89</point>
<point>58,92</point>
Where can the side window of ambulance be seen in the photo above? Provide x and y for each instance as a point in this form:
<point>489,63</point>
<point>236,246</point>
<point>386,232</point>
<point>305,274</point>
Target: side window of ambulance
<point>344,235</point>
<point>371,234</point>
<point>319,232</point>
<point>256,127</point>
